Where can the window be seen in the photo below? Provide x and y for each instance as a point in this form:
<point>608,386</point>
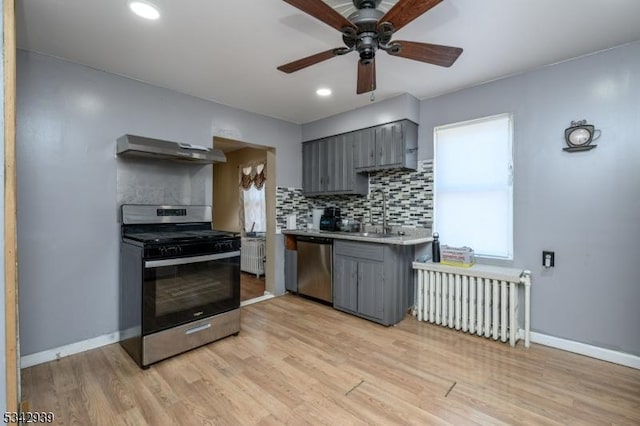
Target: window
<point>253,213</point>
<point>473,182</point>
<point>254,210</point>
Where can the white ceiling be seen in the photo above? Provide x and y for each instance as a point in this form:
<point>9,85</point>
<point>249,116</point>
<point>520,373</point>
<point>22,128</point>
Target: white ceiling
<point>227,51</point>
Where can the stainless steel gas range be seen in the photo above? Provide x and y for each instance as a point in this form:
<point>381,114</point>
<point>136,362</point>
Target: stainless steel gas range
<point>179,281</point>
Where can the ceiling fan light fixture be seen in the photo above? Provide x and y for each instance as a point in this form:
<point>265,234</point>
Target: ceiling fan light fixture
<point>324,92</point>
<point>144,9</point>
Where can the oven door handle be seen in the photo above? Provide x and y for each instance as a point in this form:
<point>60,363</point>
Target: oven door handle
<point>186,260</point>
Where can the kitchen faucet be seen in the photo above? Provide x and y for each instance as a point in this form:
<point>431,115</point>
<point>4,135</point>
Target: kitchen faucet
<point>385,228</point>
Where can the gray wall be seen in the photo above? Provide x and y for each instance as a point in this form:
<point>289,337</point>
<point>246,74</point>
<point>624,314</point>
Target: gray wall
<point>584,206</point>
<point>68,119</point>
<point>397,108</point>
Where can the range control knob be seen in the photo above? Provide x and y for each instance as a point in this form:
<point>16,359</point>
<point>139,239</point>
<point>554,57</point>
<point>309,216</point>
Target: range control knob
<point>170,250</point>
<point>223,246</point>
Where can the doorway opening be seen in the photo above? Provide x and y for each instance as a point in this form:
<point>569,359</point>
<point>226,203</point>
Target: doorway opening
<point>244,198</point>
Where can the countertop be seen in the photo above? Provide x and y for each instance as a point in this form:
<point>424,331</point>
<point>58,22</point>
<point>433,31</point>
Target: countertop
<point>403,240</point>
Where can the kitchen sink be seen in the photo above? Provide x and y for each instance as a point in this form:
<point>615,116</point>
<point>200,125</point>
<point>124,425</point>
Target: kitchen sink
<point>374,235</point>
<point>364,234</point>
<point>360,234</point>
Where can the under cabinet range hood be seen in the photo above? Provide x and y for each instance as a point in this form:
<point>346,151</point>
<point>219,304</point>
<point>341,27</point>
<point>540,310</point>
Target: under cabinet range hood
<point>139,146</point>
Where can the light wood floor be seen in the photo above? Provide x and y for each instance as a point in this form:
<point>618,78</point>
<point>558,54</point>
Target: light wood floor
<point>299,362</point>
<point>250,286</point>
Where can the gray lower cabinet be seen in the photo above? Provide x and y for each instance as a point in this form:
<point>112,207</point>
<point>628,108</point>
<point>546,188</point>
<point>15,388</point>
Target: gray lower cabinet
<point>371,289</point>
<point>345,271</point>
<point>373,281</point>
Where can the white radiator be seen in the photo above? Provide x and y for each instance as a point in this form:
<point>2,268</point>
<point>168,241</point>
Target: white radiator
<point>252,256</point>
<point>480,300</point>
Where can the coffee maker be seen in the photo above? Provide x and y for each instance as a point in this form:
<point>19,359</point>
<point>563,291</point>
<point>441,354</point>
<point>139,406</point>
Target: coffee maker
<point>330,220</point>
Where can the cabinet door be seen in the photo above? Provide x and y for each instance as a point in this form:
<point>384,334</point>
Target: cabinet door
<point>323,163</point>
<point>370,289</point>
<point>314,165</point>
<point>364,148</point>
<point>307,167</point>
<point>331,180</point>
<point>341,172</point>
<point>345,283</point>
<point>389,144</point>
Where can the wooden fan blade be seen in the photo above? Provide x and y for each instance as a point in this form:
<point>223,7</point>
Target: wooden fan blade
<point>406,11</point>
<point>435,54</point>
<point>322,11</point>
<point>308,61</point>
<point>366,76</point>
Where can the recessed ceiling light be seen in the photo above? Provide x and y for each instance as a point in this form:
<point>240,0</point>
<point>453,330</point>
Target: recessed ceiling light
<point>323,92</point>
<point>144,9</point>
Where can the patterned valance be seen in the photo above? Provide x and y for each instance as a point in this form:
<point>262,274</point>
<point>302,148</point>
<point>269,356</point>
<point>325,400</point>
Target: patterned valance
<point>253,175</point>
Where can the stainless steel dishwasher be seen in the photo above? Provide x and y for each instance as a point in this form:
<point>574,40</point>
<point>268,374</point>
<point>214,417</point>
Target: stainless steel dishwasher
<point>315,268</point>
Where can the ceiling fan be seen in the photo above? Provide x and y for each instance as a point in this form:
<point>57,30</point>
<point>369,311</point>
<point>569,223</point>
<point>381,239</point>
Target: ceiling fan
<point>369,29</point>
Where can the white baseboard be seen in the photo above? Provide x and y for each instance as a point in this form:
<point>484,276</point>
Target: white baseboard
<point>96,342</point>
<point>609,355</point>
<point>265,296</point>
<point>66,350</point>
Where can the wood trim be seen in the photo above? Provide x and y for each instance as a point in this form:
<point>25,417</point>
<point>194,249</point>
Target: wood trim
<point>290,242</point>
<point>270,201</point>
<point>10,232</point>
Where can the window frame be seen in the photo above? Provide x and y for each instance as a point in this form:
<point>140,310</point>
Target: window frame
<point>511,178</point>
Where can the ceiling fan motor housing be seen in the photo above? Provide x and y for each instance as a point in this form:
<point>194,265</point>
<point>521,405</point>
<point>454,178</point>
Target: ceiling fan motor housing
<point>366,45</point>
<point>366,39</point>
<point>370,4</point>
<point>366,19</point>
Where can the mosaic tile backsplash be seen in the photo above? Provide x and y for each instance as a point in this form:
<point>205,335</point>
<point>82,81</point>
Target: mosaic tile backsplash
<point>409,200</point>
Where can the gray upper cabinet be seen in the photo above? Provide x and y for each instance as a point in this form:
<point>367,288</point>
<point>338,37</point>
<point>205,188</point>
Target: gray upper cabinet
<point>388,146</point>
<point>307,166</point>
<point>335,165</point>
<point>364,148</point>
<point>327,167</point>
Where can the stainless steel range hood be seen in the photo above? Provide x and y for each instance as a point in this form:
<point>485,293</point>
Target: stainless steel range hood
<point>139,146</point>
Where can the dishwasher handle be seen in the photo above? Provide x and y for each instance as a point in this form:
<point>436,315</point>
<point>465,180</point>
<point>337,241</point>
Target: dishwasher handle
<point>315,240</point>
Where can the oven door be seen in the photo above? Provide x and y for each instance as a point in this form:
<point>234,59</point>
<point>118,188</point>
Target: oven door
<point>181,290</point>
